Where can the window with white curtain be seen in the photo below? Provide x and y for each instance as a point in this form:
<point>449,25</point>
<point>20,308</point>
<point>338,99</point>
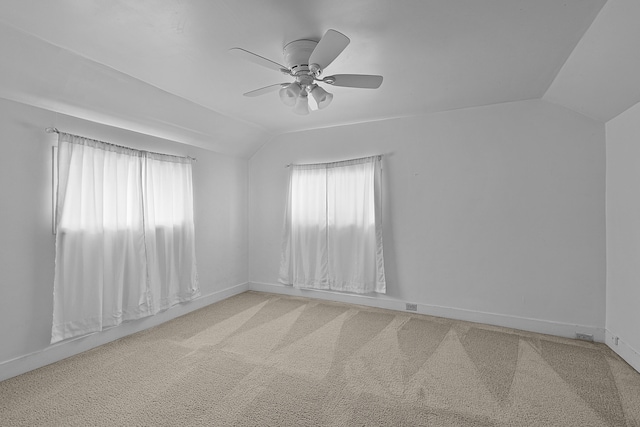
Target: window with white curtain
<point>333,231</point>
<point>125,241</point>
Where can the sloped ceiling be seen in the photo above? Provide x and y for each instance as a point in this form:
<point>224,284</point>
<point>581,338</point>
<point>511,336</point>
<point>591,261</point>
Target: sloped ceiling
<point>601,78</point>
<point>162,66</point>
<point>56,79</point>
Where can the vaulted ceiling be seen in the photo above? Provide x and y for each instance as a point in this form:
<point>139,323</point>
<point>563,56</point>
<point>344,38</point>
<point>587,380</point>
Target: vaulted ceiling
<point>162,67</point>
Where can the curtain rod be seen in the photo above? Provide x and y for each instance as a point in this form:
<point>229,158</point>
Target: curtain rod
<point>54,130</point>
<point>379,156</point>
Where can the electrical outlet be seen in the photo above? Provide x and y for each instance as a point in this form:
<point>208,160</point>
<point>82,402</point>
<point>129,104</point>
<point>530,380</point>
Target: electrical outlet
<point>584,337</point>
<point>615,340</point>
<point>412,307</point>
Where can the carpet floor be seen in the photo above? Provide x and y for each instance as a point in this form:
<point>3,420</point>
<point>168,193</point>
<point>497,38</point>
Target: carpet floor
<point>260,359</point>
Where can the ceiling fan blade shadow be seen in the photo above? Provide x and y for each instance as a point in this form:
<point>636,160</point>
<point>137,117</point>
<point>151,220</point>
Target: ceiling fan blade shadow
<point>328,48</point>
<point>266,89</point>
<point>256,59</point>
<point>363,81</point>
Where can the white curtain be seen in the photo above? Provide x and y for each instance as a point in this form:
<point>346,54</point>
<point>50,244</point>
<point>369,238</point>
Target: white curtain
<point>333,227</point>
<point>125,244</point>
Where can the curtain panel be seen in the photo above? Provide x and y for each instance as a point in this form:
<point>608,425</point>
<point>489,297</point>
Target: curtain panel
<point>125,245</point>
<point>332,235</point>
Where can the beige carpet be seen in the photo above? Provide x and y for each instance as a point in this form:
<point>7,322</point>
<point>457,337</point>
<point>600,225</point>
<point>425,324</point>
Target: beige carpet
<point>266,360</point>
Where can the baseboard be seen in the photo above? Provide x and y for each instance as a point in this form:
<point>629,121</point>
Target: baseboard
<point>68,348</point>
<point>382,301</point>
<point>62,350</point>
<point>623,349</point>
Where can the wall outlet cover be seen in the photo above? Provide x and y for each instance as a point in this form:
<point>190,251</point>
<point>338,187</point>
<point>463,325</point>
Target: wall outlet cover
<point>585,337</point>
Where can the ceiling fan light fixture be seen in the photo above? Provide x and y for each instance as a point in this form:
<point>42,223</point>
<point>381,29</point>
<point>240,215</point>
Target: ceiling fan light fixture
<point>302,104</point>
<point>289,94</point>
<point>321,96</point>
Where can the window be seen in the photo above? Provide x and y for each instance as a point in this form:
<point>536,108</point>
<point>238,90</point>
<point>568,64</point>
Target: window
<point>125,245</point>
<point>333,232</point>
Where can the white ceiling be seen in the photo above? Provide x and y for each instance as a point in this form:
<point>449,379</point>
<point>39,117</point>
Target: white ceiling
<point>601,78</point>
<point>163,67</point>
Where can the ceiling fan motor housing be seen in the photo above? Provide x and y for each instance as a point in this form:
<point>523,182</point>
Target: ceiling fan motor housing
<point>296,56</point>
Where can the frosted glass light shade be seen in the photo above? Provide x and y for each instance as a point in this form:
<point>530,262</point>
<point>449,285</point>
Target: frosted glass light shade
<point>289,94</point>
<point>302,104</point>
<point>321,96</point>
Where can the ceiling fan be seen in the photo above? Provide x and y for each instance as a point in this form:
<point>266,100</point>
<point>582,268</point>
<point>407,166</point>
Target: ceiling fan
<point>305,61</point>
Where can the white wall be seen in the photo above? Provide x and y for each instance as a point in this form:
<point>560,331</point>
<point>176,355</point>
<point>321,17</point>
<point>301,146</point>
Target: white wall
<point>27,243</point>
<point>494,214</point>
<point>623,234</point>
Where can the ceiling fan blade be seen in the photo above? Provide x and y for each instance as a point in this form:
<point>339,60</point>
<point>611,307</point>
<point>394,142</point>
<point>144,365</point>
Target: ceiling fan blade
<point>363,81</point>
<point>328,48</point>
<point>266,89</point>
<point>256,59</point>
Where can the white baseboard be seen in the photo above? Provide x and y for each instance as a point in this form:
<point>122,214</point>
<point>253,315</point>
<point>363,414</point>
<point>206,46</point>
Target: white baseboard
<point>62,350</point>
<point>623,349</point>
<point>68,348</point>
<point>548,327</point>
